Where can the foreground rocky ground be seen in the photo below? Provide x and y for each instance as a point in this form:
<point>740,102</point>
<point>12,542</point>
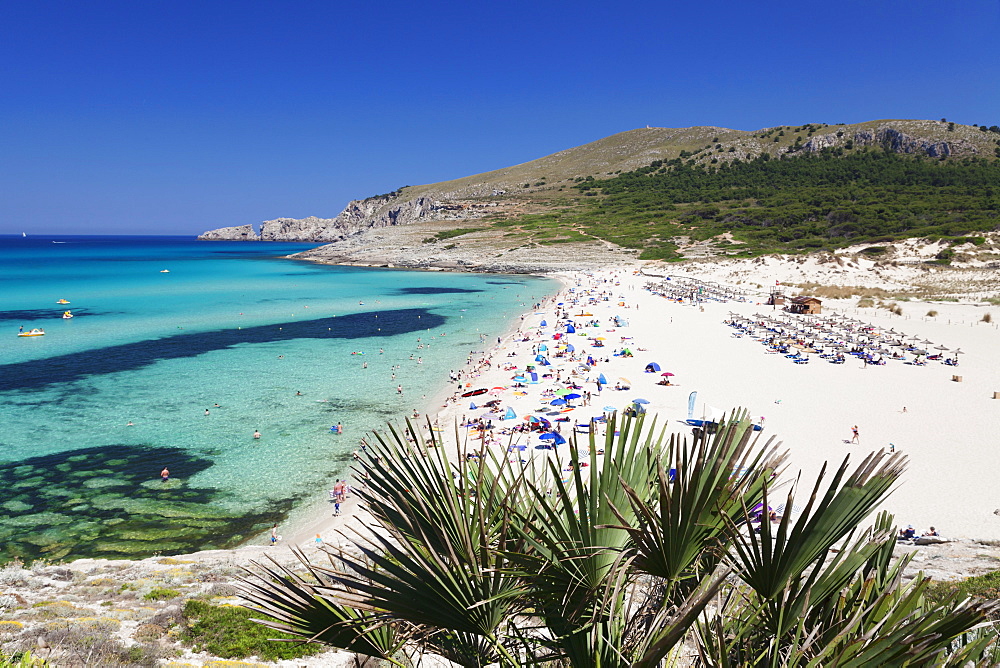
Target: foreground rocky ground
<point>133,613</point>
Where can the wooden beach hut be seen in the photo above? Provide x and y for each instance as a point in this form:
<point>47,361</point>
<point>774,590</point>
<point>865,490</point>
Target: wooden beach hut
<point>806,305</point>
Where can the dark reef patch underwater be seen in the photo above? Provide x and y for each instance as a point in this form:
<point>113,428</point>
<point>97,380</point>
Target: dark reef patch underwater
<point>59,369</point>
<point>110,502</point>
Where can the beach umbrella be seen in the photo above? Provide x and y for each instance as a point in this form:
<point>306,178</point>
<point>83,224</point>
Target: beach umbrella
<point>625,380</point>
<point>548,436</point>
<point>941,348</point>
<point>610,409</point>
<point>558,402</point>
<point>561,391</point>
<point>472,406</point>
<point>666,373</point>
<point>571,396</point>
<point>640,401</point>
<point>602,380</point>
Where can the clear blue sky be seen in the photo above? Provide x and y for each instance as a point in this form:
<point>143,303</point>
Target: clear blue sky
<point>176,117</point>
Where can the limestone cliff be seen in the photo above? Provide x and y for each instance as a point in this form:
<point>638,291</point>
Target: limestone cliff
<point>357,216</point>
<point>894,140</point>
<point>237,233</point>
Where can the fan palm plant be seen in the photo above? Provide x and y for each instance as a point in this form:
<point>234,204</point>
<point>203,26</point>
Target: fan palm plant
<point>613,555</point>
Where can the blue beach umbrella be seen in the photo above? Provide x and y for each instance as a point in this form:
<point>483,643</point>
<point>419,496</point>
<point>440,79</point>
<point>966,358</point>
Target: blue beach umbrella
<point>472,406</point>
<point>639,401</point>
<point>571,396</point>
<point>610,409</point>
<point>602,380</point>
<point>548,436</point>
<point>558,402</point>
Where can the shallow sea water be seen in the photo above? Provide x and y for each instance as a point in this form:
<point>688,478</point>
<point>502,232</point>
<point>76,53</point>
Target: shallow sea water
<point>232,324</point>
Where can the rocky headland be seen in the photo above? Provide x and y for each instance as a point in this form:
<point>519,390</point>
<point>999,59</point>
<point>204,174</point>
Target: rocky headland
<point>546,185</point>
<point>237,233</point>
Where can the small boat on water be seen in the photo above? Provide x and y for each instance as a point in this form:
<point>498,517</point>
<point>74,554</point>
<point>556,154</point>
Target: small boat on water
<point>164,271</point>
<point>32,332</point>
<point>63,301</point>
<point>67,315</point>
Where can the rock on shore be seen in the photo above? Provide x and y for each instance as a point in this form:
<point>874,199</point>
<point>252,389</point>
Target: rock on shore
<point>237,233</point>
<point>358,216</point>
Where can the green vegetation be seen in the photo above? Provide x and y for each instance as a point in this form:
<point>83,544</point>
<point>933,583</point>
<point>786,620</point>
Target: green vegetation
<point>24,660</point>
<point>228,632</point>
<point>161,594</point>
<point>985,586</point>
<point>802,203</point>
<point>483,561</point>
<point>448,234</point>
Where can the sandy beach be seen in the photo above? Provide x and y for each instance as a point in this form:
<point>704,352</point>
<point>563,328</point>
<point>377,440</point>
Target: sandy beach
<point>946,428</point>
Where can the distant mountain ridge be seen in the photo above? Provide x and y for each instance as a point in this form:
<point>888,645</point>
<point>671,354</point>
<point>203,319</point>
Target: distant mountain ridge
<point>545,180</point>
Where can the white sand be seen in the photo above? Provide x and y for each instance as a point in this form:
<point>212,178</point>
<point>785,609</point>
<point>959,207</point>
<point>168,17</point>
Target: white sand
<point>948,430</point>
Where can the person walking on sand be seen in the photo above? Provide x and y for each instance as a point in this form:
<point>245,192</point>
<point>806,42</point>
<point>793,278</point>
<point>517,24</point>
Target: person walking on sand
<point>274,534</point>
<point>339,490</point>
<point>856,438</point>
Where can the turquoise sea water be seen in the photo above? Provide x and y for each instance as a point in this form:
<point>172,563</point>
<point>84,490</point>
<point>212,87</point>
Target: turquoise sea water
<point>232,324</point>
